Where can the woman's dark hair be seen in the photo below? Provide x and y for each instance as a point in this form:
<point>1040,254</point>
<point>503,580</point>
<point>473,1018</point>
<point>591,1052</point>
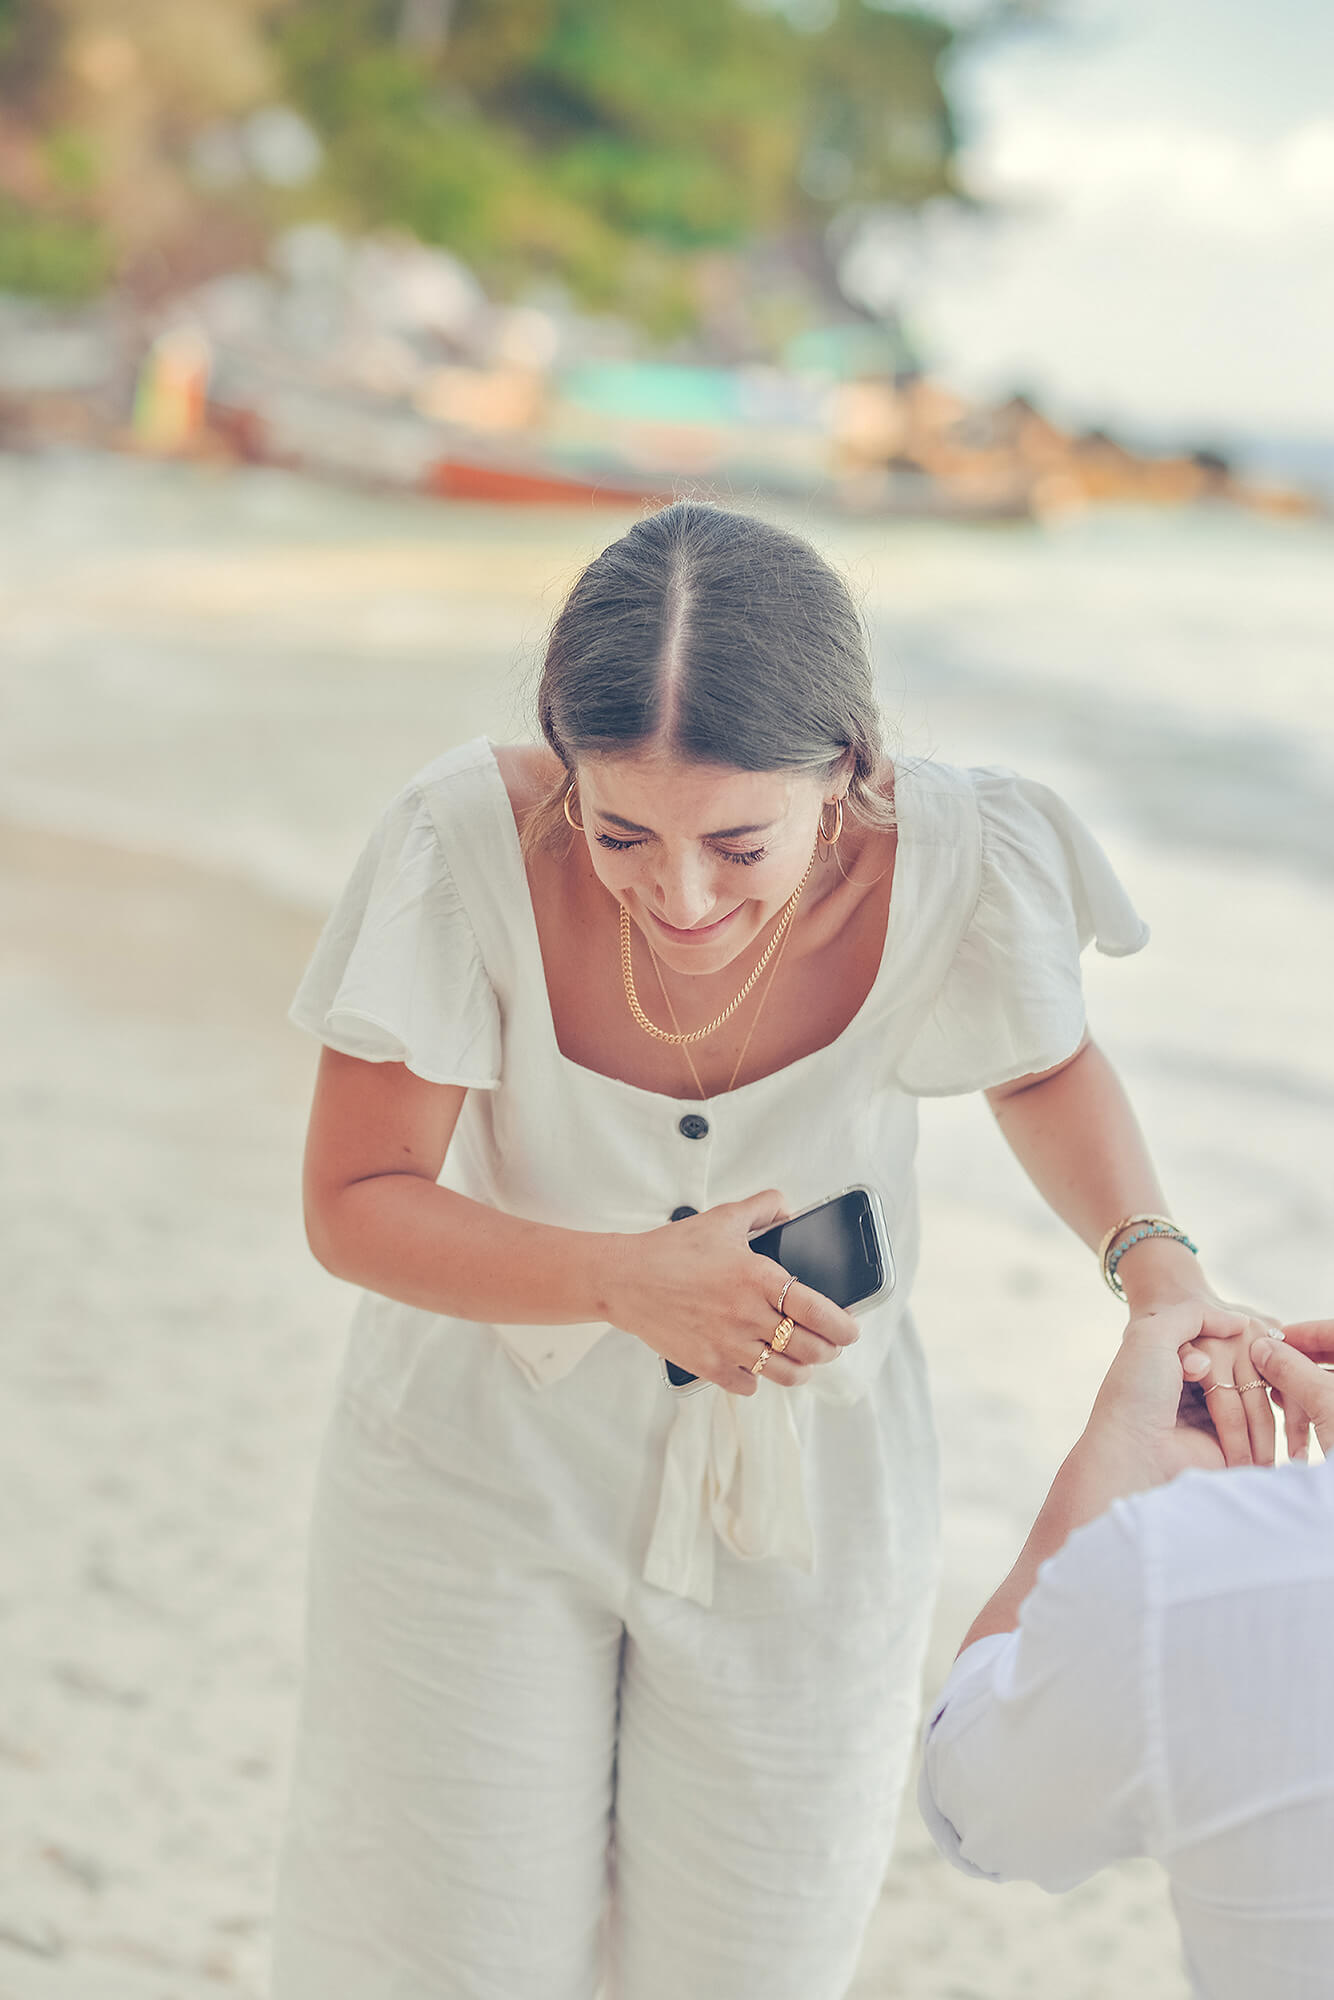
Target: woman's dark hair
<point>730,641</point>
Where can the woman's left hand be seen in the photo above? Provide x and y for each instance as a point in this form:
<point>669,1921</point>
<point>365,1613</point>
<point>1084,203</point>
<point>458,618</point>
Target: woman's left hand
<point>1230,1397</point>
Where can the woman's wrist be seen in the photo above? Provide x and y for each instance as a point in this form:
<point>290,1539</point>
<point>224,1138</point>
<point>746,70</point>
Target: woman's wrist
<point>1159,1268</point>
<point>1127,1235</point>
<point>610,1269</point>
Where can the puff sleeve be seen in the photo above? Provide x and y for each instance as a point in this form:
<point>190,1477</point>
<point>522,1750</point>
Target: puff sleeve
<point>397,975</point>
<point>1010,1001</point>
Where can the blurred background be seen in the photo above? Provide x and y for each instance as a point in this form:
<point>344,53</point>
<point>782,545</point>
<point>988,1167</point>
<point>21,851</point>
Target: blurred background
<point>335,335</point>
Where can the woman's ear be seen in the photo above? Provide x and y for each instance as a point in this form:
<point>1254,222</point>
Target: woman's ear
<point>839,776</point>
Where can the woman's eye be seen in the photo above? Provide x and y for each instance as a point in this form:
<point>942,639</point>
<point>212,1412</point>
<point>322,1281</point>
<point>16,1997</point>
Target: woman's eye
<point>743,860</point>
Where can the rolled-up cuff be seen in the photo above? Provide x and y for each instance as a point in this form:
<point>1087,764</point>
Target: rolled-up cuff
<point>969,1680</point>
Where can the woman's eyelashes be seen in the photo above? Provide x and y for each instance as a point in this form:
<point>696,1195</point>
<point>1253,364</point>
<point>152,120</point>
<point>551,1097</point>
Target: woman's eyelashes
<point>744,859</point>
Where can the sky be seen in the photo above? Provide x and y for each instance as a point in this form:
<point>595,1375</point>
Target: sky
<point>1160,254</point>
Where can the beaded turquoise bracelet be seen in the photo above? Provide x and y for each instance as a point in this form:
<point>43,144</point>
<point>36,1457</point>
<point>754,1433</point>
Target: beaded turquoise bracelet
<point>1157,1227</point>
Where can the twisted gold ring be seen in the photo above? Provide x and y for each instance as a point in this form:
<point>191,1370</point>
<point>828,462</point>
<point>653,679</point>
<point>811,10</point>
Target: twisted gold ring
<point>781,1335</point>
<point>1256,1384</point>
<point>758,1367</point>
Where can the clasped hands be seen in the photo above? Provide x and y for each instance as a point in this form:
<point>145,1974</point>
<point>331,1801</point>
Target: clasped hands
<point>1147,1426</point>
<point>1222,1389</point>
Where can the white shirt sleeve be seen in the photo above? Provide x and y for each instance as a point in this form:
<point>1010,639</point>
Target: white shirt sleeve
<point>1034,1760</point>
<point>397,975</point>
<point>1011,1002</point>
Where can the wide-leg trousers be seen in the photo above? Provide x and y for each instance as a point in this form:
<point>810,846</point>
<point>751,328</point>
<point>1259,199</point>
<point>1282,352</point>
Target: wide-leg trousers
<point>522,1773</point>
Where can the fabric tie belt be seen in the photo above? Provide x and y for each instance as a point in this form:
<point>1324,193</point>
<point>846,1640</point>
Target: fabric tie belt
<point>733,1474</point>
<point>733,1470</point>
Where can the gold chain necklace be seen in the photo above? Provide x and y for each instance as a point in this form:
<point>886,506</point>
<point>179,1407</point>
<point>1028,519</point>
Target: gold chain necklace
<point>750,1032</point>
<point>710,1027</point>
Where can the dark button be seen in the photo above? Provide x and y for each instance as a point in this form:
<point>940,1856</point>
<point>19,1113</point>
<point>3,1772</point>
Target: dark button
<point>680,1214</point>
<point>692,1126</point>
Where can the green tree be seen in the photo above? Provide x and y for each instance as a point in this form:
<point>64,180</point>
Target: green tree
<point>99,103</point>
<point>609,142</point>
<point>52,245</point>
<point>628,148</point>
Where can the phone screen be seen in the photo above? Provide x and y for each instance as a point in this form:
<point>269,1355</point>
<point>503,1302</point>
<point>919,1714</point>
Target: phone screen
<point>833,1249</point>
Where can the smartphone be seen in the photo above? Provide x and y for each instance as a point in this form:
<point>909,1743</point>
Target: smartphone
<point>839,1246</point>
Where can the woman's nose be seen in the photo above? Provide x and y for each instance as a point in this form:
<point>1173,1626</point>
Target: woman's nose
<point>683,894</point>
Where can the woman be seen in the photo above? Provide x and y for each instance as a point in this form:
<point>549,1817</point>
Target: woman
<point>608,1679</point>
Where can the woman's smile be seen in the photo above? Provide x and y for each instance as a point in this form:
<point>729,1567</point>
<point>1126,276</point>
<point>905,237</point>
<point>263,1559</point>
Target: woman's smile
<point>697,933</point>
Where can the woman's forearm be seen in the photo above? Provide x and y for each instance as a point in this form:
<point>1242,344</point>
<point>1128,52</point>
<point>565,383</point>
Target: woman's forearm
<point>1078,1140</point>
<point>404,1236</point>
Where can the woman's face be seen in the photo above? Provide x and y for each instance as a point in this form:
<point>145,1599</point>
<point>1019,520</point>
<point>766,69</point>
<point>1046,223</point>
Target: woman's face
<point>703,856</point>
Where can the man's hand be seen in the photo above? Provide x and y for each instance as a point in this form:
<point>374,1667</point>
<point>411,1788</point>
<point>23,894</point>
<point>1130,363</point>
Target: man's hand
<point>1161,1276</point>
<point>1303,1387</point>
<point>1132,1439</point>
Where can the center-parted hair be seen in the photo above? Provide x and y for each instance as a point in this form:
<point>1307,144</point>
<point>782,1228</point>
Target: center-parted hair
<point>721,638</point>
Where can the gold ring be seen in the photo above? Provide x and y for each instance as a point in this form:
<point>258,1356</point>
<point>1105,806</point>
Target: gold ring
<point>781,1335</point>
<point>783,1294</point>
<point>1256,1384</point>
<point>759,1366</point>
<point>1222,1385</point>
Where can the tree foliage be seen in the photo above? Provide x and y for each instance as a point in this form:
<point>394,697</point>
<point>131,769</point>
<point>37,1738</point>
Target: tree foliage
<point>607,141</point>
<point>613,145</point>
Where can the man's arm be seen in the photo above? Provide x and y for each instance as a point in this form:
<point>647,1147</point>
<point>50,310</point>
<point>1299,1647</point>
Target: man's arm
<point>1132,1441</point>
<point>1033,1763</point>
<point>1033,1766</point>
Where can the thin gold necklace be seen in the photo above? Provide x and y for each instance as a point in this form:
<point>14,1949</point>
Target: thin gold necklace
<point>710,1027</point>
<point>750,1032</point>
<point>662,988</point>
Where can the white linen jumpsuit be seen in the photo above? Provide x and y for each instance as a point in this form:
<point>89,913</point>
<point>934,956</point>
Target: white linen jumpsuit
<point>613,1688</point>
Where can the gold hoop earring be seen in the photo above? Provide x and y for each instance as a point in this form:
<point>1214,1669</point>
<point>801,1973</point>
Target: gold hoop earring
<point>829,841</point>
<point>577,824</point>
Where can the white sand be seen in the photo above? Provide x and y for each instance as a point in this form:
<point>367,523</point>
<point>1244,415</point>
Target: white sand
<point>169,1346</point>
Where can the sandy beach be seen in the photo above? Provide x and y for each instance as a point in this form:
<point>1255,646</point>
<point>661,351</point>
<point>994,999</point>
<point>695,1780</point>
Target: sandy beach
<point>208,693</point>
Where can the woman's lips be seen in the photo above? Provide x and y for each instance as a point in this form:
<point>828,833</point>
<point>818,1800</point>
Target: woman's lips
<point>698,935</point>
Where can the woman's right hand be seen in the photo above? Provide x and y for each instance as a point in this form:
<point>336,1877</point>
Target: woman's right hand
<point>696,1294</point>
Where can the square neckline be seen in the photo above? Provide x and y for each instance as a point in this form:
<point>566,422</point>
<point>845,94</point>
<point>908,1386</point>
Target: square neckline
<point>514,852</point>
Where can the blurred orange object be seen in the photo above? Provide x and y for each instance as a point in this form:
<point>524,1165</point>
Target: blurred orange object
<point>171,394</point>
<point>523,485</point>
